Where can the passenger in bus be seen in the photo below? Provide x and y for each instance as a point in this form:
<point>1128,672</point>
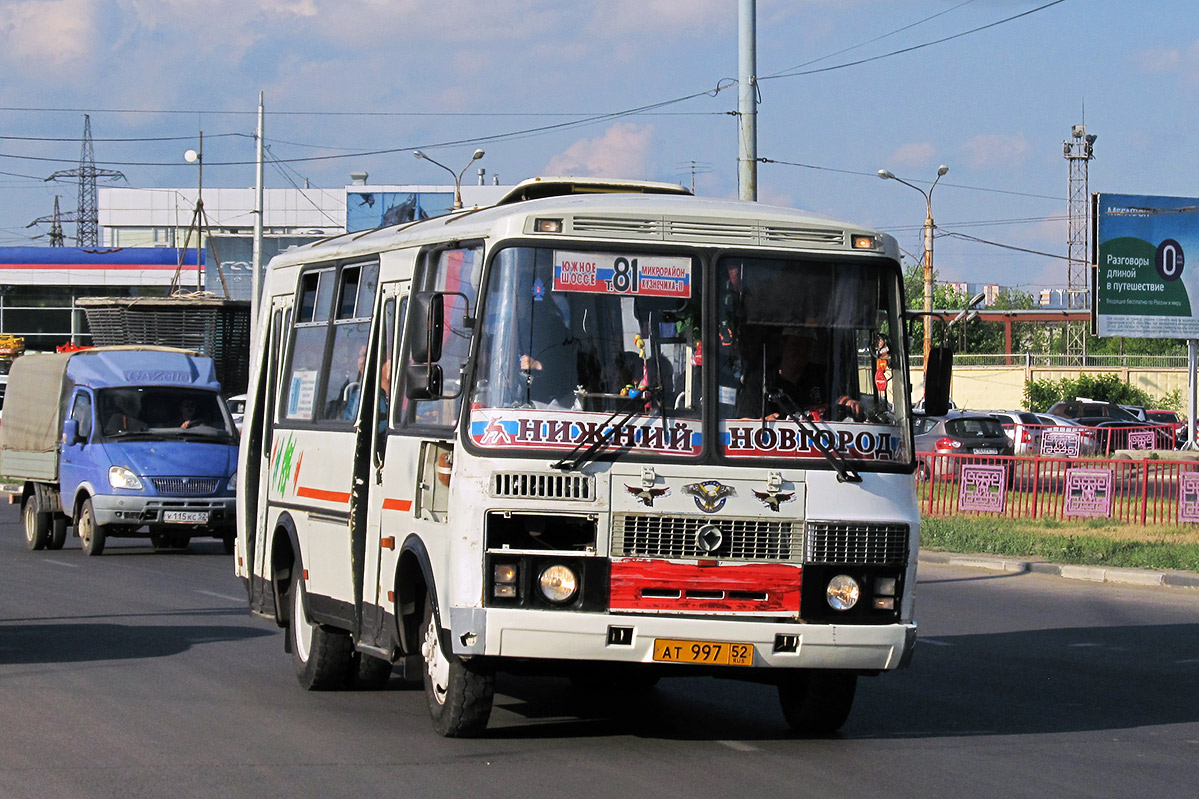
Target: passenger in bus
<point>550,361</point>
<point>352,392</point>
<point>796,382</point>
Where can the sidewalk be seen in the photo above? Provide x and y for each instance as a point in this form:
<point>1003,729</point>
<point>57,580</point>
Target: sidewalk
<point>1096,574</point>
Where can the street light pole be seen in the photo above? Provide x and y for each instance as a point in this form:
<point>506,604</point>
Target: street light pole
<point>928,253</point>
<point>457,176</point>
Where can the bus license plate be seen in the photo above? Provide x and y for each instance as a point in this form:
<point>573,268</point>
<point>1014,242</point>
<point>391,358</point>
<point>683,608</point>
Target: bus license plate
<point>185,516</point>
<point>670,650</point>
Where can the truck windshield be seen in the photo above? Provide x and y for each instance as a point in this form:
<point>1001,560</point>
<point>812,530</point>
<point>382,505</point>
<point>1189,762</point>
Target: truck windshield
<point>162,412</point>
<point>590,348</point>
<point>808,365</point>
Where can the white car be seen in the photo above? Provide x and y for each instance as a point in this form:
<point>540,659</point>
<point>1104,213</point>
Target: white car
<point>237,409</point>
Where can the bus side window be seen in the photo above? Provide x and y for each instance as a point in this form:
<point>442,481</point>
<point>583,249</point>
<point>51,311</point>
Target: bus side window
<point>456,270</point>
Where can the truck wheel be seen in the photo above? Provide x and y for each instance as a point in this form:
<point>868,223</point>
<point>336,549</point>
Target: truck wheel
<point>459,692</point>
<point>323,657</point>
<point>58,531</point>
<point>37,525</point>
<point>160,540</point>
<point>817,702</point>
<point>91,534</point>
<point>230,543</point>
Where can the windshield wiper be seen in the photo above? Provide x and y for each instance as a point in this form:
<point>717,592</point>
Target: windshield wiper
<point>575,459</point>
<point>845,473</point>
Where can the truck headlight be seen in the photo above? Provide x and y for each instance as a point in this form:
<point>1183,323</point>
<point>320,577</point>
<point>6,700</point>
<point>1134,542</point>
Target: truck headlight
<point>120,477</point>
<point>232,484</point>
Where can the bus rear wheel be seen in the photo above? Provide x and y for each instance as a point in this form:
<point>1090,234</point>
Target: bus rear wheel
<point>459,692</point>
<point>323,657</point>
<point>817,702</point>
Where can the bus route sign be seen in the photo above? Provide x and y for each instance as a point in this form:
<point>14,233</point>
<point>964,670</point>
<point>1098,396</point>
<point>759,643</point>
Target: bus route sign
<point>635,275</point>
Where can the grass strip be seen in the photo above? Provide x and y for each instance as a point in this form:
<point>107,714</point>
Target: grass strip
<point>1094,543</point>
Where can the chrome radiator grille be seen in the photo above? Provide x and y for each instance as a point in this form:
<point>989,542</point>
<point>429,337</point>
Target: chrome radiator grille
<point>542,486</point>
<point>185,486</point>
<point>641,535</point>
<point>857,544</point>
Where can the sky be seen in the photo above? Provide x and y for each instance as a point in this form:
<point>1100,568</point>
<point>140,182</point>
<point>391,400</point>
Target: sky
<point>623,88</point>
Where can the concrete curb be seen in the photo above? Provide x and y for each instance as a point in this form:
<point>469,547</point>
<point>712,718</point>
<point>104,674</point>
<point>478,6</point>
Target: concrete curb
<point>1096,574</point>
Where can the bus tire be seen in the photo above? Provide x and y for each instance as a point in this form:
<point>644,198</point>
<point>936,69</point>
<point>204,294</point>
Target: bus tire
<point>37,525</point>
<point>323,657</point>
<point>372,673</point>
<point>92,535</point>
<point>58,531</point>
<point>817,702</point>
<point>459,692</point>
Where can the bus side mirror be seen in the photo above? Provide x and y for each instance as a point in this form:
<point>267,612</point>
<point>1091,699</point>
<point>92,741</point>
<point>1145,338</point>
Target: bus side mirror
<point>423,382</point>
<point>428,324</point>
<point>936,381</point>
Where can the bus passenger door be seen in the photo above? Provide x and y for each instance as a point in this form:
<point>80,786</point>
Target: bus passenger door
<point>385,510</point>
<point>258,439</point>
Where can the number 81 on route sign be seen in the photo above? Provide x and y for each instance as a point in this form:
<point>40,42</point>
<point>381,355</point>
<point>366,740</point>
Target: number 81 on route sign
<point>637,275</point>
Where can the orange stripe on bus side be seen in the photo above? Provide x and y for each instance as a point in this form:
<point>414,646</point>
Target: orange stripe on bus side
<point>342,497</point>
<point>397,504</point>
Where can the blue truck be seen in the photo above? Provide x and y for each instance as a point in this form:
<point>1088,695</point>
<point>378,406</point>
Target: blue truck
<point>119,441</point>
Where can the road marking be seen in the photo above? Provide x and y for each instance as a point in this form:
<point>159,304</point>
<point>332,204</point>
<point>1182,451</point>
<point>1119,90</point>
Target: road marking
<point>62,563</point>
<point>740,746</point>
<point>222,596</point>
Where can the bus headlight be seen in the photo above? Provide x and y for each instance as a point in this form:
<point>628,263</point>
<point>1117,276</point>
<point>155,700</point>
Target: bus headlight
<point>120,477</point>
<point>843,592</point>
<point>558,583</point>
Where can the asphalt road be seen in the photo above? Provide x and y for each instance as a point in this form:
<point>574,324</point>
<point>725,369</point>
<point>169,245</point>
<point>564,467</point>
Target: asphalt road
<point>139,674</point>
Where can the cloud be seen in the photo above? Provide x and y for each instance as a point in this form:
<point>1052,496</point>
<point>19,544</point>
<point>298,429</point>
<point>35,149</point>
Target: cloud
<point>914,154</point>
<point>669,16</point>
<point>621,152</point>
<point>995,150</point>
<point>40,36</point>
<point>1170,61</point>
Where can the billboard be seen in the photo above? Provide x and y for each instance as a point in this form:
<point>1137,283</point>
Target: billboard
<point>366,210</point>
<point>1142,286</point>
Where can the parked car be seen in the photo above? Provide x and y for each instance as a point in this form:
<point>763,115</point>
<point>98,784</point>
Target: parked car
<point>1022,429</point>
<point>237,409</point>
<point>1178,424</point>
<point>957,433</point>
<point>1112,423</point>
<point>1087,439</point>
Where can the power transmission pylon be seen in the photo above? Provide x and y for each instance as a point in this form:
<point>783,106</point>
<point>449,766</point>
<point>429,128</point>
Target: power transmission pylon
<point>87,214</point>
<point>56,219</point>
<point>1079,149</point>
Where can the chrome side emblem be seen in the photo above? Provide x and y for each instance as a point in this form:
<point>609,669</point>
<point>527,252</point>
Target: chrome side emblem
<point>709,538</point>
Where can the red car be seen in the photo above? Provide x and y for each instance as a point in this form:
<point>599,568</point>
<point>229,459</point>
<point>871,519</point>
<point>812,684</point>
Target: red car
<point>1177,423</point>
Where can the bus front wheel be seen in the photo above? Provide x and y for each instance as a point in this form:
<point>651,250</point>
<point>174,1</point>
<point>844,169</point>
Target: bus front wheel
<point>323,657</point>
<point>459,692</point>
<point>817,702</point>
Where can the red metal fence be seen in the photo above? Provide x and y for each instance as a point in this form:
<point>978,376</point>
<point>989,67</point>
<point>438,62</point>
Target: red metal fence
<point>1146,491</point>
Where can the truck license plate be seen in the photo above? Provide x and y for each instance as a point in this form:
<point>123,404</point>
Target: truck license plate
<point>670,650</point>
<point>185,516</point>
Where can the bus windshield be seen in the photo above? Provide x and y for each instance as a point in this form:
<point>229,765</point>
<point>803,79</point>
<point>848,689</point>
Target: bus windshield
<point>806,360</point>
<point>573,341</point>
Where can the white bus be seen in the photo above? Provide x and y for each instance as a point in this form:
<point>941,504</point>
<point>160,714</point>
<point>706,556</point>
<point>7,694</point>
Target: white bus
<point>612,432</point>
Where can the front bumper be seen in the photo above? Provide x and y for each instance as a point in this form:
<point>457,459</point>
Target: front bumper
<point>138,510</point>
<point>516,633</point>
